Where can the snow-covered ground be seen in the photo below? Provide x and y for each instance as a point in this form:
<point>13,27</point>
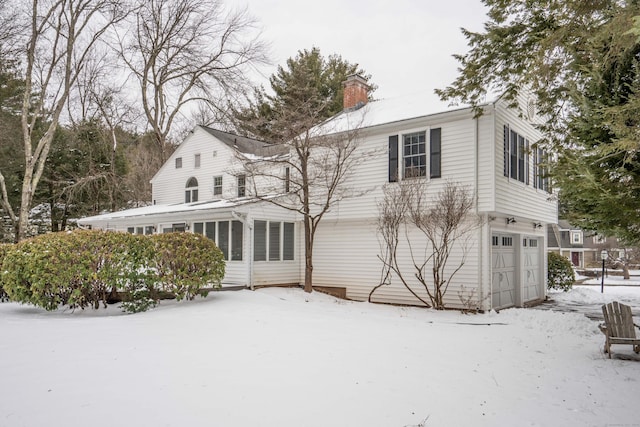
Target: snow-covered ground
<point>280,357</point>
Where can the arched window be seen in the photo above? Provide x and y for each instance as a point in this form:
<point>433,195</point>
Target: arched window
<point>191,191</point>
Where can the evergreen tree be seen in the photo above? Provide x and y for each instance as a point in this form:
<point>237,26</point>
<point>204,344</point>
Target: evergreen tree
<point>310,82</point>
<point>581,61</point>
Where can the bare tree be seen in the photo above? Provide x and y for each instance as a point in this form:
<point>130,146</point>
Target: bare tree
<point>310,177</point>
<point>187,51</point>
<point>60,34</point>
<point>445,223</point>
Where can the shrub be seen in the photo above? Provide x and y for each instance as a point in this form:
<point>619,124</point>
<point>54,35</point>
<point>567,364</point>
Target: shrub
<point>79,269</point>
<point>187,264</point>
<point>3,250</point>
<point>86,268</point>
<point>560,273</point>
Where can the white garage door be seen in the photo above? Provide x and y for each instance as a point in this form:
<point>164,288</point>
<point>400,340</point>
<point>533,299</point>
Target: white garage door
<point>532,282</point>
<point>503,262</point>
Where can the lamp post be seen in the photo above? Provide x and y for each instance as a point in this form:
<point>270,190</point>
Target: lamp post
<point>604,255</point>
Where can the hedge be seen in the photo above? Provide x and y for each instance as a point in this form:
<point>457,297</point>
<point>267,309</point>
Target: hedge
<point>88,268</point>
<point>3,250</point>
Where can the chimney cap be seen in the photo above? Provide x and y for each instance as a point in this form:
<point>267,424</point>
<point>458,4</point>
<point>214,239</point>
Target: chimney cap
<point>355,79</point>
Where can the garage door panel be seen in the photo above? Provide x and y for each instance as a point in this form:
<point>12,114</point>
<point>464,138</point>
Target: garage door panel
<point>503,257</point>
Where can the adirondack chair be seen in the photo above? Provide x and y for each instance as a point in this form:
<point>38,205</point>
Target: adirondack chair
<point>618,327</point>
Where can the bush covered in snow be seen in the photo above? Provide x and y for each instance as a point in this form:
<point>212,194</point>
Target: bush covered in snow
<point>86,268</point>
<point>560,273</point>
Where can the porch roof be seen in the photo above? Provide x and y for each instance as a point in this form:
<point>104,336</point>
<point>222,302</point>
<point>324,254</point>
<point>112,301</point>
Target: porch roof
<point>158,210</point>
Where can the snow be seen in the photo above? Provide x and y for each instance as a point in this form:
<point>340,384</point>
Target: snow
<point>388,110</point>
<point>164,209</point>
<point>281,357</point>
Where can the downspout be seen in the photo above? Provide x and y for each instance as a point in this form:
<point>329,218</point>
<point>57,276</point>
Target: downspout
<point>243,220</point>
<point>477,197</point>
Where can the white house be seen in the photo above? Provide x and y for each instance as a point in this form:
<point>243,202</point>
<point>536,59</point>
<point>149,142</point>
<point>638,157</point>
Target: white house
<point>201,189</point>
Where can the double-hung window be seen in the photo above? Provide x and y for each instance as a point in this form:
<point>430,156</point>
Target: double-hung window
<point>414,155</point>
<point>516,156</point>
<point>217,185</point>
<point>242,185</point>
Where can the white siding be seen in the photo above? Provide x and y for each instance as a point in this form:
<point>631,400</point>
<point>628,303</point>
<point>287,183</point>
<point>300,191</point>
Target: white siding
<point>352,262</point>
<point>532,203</point>
<point>216,159</point>
<point>371,174</point>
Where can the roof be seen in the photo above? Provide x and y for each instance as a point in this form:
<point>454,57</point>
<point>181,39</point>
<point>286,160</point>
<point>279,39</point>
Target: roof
<point>247,145</point>
<point>389,110</point>
<point>166,209</point>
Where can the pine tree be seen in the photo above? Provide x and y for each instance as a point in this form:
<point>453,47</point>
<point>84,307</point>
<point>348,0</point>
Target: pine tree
<point>581,61</point>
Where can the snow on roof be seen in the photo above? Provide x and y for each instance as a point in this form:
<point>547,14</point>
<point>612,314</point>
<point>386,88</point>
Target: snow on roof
<point>246,145</point>
<point>165,209</point>
<point>388,110</point>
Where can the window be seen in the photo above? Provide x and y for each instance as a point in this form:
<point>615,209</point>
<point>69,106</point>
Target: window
<point>260,240</point>
<point>495,241</point>
<point>540,176</point>
<point>131,230</point>
<point>139,230</point>
<point>273,241</point>
<point>597,239</point>
<point>217,185</point>
<point>210,230</point>
<point>149,229</point>
<point>198,227</point>
<point>196,161</point>
<point>223,238</point>
<point>516,156</point>
<point>576,237</point>
<point>178,162</point>
<point>533,243</point>
<point>191,192</point>
<point>242,181</point>
<point>236,240</point>
<point>228,243</point>
<point>288,241</point>
<point>414,154</point>
<point>507,241</point>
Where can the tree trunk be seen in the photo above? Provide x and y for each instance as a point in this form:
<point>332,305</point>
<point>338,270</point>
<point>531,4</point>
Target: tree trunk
<point>308,255</point>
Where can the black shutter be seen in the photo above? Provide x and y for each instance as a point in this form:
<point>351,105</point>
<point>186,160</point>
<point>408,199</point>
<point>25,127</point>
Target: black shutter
<point>506,150</point>
<point>393,158</point>
<point>435,154</point>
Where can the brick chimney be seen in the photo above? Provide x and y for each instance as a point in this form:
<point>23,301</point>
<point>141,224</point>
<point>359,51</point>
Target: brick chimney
<point>356,91</point>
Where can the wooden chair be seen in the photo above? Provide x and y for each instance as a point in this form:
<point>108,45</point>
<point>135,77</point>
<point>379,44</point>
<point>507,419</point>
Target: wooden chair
<point>618,327</point>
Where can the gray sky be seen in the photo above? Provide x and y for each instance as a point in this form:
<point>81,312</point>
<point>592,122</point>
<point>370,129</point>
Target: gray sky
<point>406,45</point>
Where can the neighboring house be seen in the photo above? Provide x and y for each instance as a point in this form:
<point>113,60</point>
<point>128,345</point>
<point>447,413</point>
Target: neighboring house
<point>201,189</point>
<point>581,248</point>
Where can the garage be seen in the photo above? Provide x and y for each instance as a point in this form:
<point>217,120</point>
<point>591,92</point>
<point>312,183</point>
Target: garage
<point>531,260</point>
<point>503,263</point>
